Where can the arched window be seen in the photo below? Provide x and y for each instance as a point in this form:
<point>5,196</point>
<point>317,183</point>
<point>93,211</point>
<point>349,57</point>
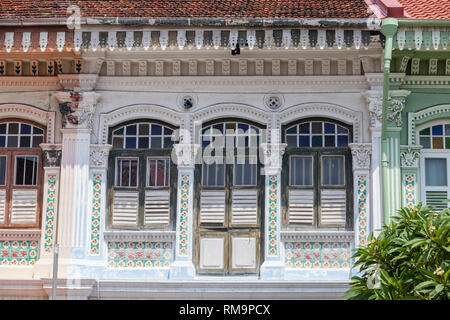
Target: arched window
<point>141,175</point>
<point>435,164</point>
<point>20,173</point>
<point>229,197</point>
<point>317,175</point>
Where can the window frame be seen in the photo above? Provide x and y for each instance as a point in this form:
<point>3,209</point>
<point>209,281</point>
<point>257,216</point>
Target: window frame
<point>317,186</point>
<point>142,155</point>
<point>11,153</point>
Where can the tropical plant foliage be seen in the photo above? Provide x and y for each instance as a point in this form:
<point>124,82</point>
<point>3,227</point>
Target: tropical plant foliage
<point>409,259</point>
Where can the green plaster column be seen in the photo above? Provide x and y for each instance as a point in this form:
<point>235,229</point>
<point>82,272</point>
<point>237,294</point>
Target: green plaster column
<point>393,187</point>
<point>409,159</point>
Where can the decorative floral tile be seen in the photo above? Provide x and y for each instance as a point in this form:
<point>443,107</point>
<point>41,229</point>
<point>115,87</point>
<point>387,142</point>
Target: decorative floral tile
<point>362,221</point>
<point>96,212</point>
<point>18,252</point>
<point>184,208</point>
<point>49,224</point>
<point>410,189</point>
<point>272,223</point>
<point>139,254</point>
<point>317,254</point>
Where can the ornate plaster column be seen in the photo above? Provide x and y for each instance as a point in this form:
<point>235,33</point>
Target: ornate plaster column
<point>374,100</point>
<point>409,159</point>
<point>273,266</point>
<point>361,153</point>
<point>52,161</point>
<point>77,110</point>
<point>182,266</point>
<point>396,104</point>
<point>96,223</point>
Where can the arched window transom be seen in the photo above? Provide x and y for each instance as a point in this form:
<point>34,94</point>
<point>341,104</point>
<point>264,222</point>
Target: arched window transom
<point>142,136</point>
<point>435,137</point>
<point>317,134</point>
<point>20,135</point>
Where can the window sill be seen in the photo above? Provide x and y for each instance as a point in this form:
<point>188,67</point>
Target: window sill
<point>139,235</point>
<point>20,234</point>
<point>324,236</point>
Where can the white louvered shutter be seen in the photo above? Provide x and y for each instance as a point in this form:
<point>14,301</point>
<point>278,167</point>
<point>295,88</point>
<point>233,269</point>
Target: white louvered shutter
<point>333,207</point>
<point>437,199</point>
<point>301,206</point>
<point>244,207</point>
<point>23,209</point>
<point>2,205</point>
<point>156,207</point>
<point>125,208</point>
<point>212,206</point>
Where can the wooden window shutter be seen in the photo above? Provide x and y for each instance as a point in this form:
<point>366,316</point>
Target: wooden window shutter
<point>244,207</point>
<point>157,204</point>
<point>212,207</point>
<point>24,206</point>
<point>333,207</point>
<point>125,208</point>
<point>301,206</point>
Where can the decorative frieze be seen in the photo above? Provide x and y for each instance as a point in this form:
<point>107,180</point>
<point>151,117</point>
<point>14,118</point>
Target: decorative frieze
<point>259,67</point>
<point>94,241</point>
<point>139,254</point>
<point>18,252</point>
<point>362,218</point>
<point>99,156</point>
<point>361,153</point>
<point>276,67</point>
<point>49,224</point>
<point>423,39</point>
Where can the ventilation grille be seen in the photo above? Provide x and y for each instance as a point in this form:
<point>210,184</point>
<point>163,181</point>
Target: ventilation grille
<point>301,206</point>
<point>125,208</point>
<point>157,207</point>
<point>437,199</point>
<point>244,207</point>
<point>333,207</point>
<point>212,207</point>
<point>24,204</point>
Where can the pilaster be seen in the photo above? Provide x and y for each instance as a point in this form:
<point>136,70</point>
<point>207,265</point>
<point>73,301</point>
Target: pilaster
<point>182,266</point>
<point>273,266</point>
<point>409,160</point>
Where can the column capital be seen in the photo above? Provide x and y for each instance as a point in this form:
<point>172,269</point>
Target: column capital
<point>185,155</point>
<point>77,108</point>
<point>99,156</point>
<point>272,154</point>
<point>51,155</point>
<point>395,106</point>
<point>374,100</point>
<point>361,153</point>
<point>409,156</point>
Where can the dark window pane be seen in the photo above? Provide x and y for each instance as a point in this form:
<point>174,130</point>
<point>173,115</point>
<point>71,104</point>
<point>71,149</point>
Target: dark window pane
<point>143,142</point>
<point>317,141</point>
<point>125,175</point>
<point>243,127</point>
<point>205,142</point>
<point>2,141</point>
<point>30,170</point>
<point>118,143</point>
<point>134,173</point>
<point>25,141</point>
<point>20,170</point>
<point>230,126</point>
<point>341,129</point>
<point>168,143</point>
<point>3,128</point>
<point>292,130</point>
<point>342,141</point>
<point>13,128</point>
<point>244,172</point>
<point>447,143</point>
<point>330,128</point>
<point>152,173</point>
<point>436,172</point>
<point>131,130</point>
<point>25,128</point>
<point>300,169</point>
<point>425,142</point>
<point>213,174</point>
<point>303,128</point>
<point>333,170</point>
<point>425,132</point>
<point>438,143</point>
<point>437,130</point>
<point>160,174</point>
<point>303,141</point>
<point>2,172</point>
<point>167,131</point>
<point>37,140</point>
<point>13,141</point>
<point>330,141</point>
<point>143,129</point>
<point>118,132</point>
<point>447,129</point>
<point>317,127</point>
<point>156,142</point>
<point>130,143</point>
<point>156,129</point>
<point>37,130</point>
